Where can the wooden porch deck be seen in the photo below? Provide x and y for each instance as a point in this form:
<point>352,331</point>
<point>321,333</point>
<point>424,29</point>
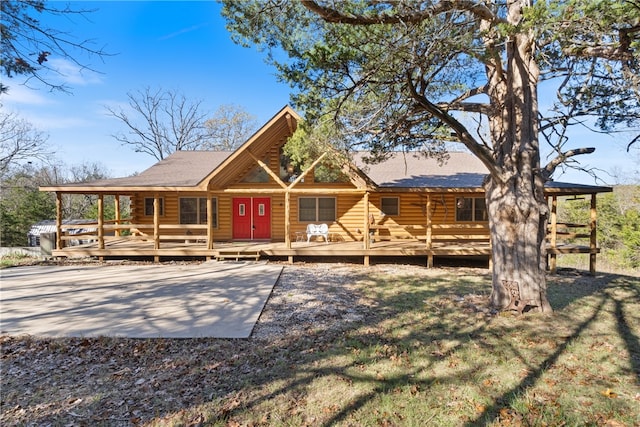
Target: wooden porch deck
<point>124,247</point>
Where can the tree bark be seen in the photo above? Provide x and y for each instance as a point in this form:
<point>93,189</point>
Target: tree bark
<point>518,228</point>
<point>516,205</point>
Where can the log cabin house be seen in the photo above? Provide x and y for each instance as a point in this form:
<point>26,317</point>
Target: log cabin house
<point>250,203</point>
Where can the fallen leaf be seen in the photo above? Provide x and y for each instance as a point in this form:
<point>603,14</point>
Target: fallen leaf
<point>609,393</point>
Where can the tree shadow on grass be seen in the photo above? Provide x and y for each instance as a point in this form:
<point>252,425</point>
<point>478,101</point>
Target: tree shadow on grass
<point>421,350</point>
<point>611,289</point>
<point>429,347</point>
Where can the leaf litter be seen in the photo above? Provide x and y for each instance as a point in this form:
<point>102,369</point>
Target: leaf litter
<point>313,309</point>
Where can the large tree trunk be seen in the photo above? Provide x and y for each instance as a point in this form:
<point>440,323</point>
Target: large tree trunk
<point>515,190</point>
<point>518,221</point>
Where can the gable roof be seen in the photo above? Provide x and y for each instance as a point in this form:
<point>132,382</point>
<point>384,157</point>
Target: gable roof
<point>199,170</point>
<point>193,170</point>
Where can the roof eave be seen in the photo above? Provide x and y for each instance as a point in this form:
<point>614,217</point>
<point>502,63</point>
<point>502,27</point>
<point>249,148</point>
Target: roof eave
<point>118,189</point>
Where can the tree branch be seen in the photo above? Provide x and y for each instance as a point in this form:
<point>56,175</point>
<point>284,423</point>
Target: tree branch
<point>563,157</point>
<point>479,150</point>
<point>622,52</point>
<point>468,107</point>
<point>334,16</point>
<point>482,90</point>
<point>633,141</point>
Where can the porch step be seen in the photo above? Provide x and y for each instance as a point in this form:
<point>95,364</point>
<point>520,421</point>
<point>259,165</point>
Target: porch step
<point>237,255</point>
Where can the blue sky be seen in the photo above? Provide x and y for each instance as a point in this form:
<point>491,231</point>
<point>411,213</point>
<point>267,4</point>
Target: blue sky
<point>182,46</point>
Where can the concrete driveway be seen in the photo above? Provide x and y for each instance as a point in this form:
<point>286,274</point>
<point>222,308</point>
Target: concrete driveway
<point>212,299</point>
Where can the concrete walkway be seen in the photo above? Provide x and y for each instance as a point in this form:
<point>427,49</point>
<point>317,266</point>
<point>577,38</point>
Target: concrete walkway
<point>212,299</point>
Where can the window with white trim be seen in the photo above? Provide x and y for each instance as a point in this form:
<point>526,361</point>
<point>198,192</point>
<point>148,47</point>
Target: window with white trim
<point>317,209</point>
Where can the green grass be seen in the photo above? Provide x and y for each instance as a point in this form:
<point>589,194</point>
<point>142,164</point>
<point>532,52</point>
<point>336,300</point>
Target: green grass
<point>427,352</point>
<point>432,354</point>
<point>17,259</point>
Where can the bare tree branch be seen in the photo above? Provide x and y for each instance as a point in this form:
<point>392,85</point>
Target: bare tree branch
<point>633,141</point>
<point>229,127</point>
<point>27,45</point>
<point>461,131</point>
<point>562,158</point>
<point>162,122</point>
<point>19,141</point>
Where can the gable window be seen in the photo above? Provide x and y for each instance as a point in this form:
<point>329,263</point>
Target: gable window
<point>329,173</point>
<point>472,209</point>
<point>148,206</point>
<point>288,170</point>
<point>193,210</point>
<point>257,174</point>
<point>390,205</point>
<point>316,209</point>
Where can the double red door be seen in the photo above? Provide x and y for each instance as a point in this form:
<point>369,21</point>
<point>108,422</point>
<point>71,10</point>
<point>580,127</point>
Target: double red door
<point>251,218</point>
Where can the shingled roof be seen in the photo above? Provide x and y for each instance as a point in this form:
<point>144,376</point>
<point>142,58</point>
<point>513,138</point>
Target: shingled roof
<point>459,170</point>
<point>413,170</point>
<point>198,170</point>
<point>181,169</point>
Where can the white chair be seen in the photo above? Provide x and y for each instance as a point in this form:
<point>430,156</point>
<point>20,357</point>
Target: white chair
<point>318,230</point>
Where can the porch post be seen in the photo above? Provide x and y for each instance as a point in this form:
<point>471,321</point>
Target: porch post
<point>553,239</point>
<point>156,223</point>
<point>58,220</point>
<point>287,219</point>
<point>101,221</point>
<point>429,237</point>
<point>116,202</point>
<point>367,242</point>
<point>367,237</point>
<point>592,238</point>
<point>209,221</point>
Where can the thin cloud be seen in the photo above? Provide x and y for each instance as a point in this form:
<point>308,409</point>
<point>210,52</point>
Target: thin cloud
<point>48,122</point>
<point>183,31</point>
<point>73,74</point>
<point>20,94</point>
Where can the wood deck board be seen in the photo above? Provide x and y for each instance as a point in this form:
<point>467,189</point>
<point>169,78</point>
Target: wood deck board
<point>126,247</point>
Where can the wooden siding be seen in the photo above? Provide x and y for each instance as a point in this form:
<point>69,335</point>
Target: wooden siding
<point>410,223</point>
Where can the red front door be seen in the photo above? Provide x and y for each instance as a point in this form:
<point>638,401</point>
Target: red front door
<point>251,218</point>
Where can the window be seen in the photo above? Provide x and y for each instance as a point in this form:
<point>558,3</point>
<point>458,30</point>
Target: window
<point>390,205</point>
<point>258,174</point>
<point>148,206</point>
<point>193,210</point>
<point>316,209</point>
<point>328,173</point>
<point>471,209</point>
<point>288,170</point>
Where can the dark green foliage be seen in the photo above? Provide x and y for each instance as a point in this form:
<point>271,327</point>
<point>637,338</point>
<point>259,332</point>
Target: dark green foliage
<point>618,223</point>
<point>21,206</point>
